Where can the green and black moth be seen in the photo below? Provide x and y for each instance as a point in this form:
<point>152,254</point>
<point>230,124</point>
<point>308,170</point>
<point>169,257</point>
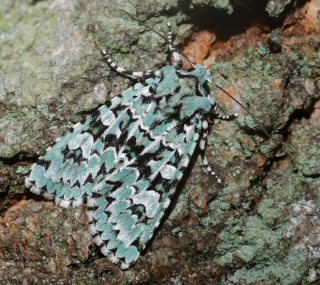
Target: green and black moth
<point>125,160</point>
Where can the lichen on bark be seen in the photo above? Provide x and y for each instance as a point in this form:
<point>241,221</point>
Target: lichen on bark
<point>262,227</point>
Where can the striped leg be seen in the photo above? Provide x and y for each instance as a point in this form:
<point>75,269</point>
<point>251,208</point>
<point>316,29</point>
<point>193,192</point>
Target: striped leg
<point>220,116</point>
<point>131,74</point>
<point>177,63</point>
<point>202,145</point>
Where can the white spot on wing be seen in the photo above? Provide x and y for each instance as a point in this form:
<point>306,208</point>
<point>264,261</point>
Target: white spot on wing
<point>92,229</point>
<point>91,202</point>
<point>27,182</point>
<point>104,250</point>
<point>124,265</point>
<point>98,240</point>
<point>57,200</point>
<point>149,199</point>
<point>36,190</point>
<point>108,118</point>
<point>77,203</point>
<point>65,203</point>
<point>90,215</point>
<point>168,172</point>
<point>48,195</point>
<point>112,258</point>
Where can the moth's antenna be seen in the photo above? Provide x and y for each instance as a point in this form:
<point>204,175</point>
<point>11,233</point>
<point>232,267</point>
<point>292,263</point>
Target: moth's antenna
<point>185,56</point>
<point>243,106</point>
<point>152,29</point>
<point>251,10</point>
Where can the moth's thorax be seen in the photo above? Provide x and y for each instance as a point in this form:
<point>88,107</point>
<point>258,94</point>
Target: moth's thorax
<point>183,91</point>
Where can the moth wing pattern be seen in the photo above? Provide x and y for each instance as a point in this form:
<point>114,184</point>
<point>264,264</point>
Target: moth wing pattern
<point>69,171</point>
<point>124,162</point>
<point>124,220</point>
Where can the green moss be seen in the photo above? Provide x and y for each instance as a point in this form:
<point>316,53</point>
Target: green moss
<point>263,251</point>
<point>308,156</point>
<point>262,84</point>
<point>276,7</point>
<point>268,211</point>
<point>225,5</point>
<point>289,271</point>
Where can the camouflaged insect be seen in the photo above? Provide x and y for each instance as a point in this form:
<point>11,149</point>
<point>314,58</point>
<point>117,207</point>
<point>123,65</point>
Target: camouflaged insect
<point>126,159</point>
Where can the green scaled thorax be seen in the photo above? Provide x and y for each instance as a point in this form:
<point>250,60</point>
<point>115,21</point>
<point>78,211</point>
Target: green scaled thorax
<point>188,89</point>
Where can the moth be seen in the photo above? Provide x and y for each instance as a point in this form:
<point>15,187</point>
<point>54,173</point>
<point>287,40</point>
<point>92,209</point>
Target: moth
<point>125,160</point>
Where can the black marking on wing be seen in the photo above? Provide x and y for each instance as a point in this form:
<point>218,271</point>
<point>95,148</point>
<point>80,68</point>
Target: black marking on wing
<point>117,109</point>
<point>197,89</point>
<point>89,179</point>
<point>136,210</point>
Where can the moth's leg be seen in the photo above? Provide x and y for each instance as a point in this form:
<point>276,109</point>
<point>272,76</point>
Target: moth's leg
<point>221,116</point>
<point>130,74</point>
<point>209,169</point>
<point>203,142</point>
<point>177,63</point>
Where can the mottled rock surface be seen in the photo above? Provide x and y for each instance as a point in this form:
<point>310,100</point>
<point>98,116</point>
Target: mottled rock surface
<point>262,227</point>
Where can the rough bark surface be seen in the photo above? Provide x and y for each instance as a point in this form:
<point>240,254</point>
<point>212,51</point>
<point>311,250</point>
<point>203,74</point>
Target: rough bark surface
<point>263,227</point>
